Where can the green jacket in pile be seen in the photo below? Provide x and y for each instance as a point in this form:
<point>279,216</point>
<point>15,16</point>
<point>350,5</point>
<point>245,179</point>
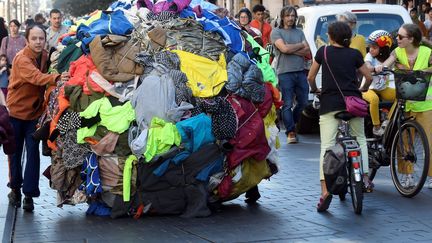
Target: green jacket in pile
<point>263,64</point>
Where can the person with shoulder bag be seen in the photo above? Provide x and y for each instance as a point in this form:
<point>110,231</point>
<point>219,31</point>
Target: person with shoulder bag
<point>339,66</point>
<point>13,43</point>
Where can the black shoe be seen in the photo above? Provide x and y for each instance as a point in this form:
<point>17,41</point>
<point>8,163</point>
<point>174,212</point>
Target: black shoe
<point>28,205</point>
<point>252,195</point>
<point>15,198</point>
<point>273,168</point>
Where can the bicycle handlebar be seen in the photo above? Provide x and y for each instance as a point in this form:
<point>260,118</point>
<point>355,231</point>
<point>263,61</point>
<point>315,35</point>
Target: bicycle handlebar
<point>387,71</point>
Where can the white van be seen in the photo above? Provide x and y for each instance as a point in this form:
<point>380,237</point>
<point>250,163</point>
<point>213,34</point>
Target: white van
<point>314,20</point>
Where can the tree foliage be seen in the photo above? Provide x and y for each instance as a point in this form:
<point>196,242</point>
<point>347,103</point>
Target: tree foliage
<point>80,7</point>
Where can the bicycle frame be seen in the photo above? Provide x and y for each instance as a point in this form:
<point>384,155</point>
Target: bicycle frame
<point>395,121</point>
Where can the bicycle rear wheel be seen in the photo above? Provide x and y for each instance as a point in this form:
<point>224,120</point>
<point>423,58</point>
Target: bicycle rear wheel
<point>356,190</point>
<point>409,159</point>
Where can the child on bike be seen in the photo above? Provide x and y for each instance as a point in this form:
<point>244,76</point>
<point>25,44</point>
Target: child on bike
<point>344,63</point>
<point>410,55</point>
<point>380,43</point>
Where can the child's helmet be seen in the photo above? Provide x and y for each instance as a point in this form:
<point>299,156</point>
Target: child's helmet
<point>380,38</point>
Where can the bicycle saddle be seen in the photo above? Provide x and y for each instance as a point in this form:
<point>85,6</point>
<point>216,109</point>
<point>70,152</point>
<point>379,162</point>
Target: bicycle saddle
<point>344,115</point>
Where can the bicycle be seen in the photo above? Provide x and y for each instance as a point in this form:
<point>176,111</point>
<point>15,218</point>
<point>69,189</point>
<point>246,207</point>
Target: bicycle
<point>404,146</point>
<point>353,160</point>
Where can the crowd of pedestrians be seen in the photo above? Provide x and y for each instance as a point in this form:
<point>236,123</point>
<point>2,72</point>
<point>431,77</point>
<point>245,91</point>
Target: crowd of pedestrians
<point>24,65</point>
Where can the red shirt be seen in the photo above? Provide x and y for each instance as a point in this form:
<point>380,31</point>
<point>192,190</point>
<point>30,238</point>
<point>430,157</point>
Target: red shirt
<point>265,30</point>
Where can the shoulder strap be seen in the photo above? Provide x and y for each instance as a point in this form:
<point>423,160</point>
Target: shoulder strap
<point>325,60</point>
<point>7,42</point>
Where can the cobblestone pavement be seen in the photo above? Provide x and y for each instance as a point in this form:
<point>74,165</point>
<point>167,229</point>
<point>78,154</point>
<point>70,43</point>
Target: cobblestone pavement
<point>285,213</point>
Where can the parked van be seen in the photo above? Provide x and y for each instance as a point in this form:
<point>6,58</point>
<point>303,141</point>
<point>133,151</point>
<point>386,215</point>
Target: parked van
<point>314,21</point>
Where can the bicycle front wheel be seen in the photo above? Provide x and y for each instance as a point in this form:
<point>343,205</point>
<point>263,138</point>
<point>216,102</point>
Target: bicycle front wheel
<point>409,159</point>
<point>356,189</point>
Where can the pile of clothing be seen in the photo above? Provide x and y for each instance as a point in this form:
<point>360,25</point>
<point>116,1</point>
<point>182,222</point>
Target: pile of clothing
<point>170,106</point>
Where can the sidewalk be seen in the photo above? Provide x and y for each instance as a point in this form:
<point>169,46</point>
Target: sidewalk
<point>286,213</point>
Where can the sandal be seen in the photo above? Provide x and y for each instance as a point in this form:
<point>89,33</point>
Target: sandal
<point>324,203</point>
<point>368,186</point>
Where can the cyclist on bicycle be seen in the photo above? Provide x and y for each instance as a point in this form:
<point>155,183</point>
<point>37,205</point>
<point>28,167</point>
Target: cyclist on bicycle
<point>410,55</point>
<point>380,43</point>
<point>344,62</point>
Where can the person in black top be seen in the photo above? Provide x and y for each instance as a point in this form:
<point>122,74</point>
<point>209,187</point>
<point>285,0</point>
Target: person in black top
<point>29,21</point>
<point>343,63</point>
<point>3,30</point>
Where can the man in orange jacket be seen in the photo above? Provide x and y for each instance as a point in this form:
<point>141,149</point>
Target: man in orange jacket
<point>25,101</point>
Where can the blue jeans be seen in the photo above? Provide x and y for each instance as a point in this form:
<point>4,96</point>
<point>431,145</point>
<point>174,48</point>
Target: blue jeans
<point>30,183</point>
<point>293,85</point>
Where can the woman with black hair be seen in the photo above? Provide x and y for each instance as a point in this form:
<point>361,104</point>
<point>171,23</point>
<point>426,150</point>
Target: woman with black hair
<point>3,30</point>
<point>14,43</point>
<point>343,62</point>
<point>245,17</point>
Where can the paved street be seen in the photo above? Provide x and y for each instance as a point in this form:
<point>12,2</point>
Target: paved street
<point>285,213</point>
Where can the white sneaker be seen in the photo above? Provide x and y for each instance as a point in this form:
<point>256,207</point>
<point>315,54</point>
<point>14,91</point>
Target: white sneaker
<point>378,131</point>
<point>384,124</point>
<point>402,179</point>
<point>409,182</point>
<point>430,183</point>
